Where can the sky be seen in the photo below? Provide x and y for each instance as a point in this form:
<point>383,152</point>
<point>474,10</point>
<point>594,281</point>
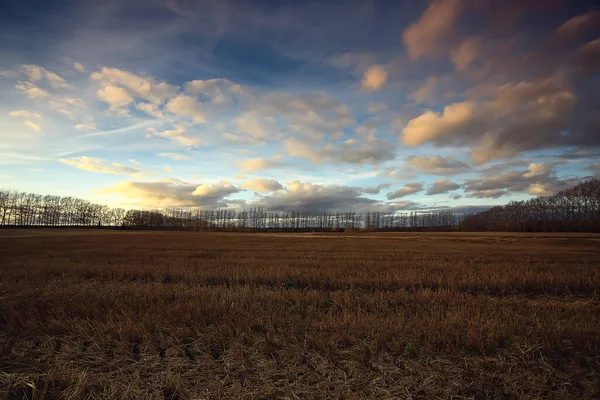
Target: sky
<point>354,105</point>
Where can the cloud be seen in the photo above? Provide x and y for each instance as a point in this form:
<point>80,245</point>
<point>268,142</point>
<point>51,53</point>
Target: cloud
<point>32,125</point>
<point>171,193</point>
<point>368,130</point>
<point>485,95</point>
<point>214,190</point>
<point>442,186</point>
<point>24,114</point>
<point>540,189</point>
<point>351,151</point>
<point>488,193</point>
<point>216,91</point>
<point>200,86</point>
<point>259,164</point>
<point>408,189</point>
<point>466,53</point>
<point>174,156</point>
<point>36,73</point>
<point>241,139</point>
<point>79,67</point>
<point>304,196</point>
<point>375,108</point>
<point>589,58</point>
<point>578,154</point>
<point>69,107</point>
<point>66,113</point>
<point>177,135</point>
<point>431,33</point>
<point>259,127</point>
<point>313,115</point>
<point>538,178</point>
<point>595,168</point>
<point>557,51</point>
<point>431,126</point>
<point>262,185</point>
<point>376,189</point>
<point>577,26</point>
<point>146,88</point>
<point>428,91</point>
<point>495,126</point>
<point>358,61</point>
<point>58,101</point>
<point>150,109</point>
<point>186,106</point>
<point>435,165</point>
<point>85,126</point>
<point>93,164</point>
<point>537,169</point>
<point>373,78</point>
<point>31,90</point>
<point>115,96</point>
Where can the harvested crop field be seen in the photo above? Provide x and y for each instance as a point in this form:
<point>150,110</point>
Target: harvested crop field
<point>186,315</point>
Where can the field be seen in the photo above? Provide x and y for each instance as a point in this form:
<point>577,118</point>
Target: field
<point>176,315</point>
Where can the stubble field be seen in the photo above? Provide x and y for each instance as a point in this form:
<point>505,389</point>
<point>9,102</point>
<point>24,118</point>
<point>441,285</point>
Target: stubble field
<point>176,315</point>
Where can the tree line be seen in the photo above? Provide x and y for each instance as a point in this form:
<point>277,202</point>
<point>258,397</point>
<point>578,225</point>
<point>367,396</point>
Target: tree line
<point>573,210</point>
<point>576,209</point>
<point>258,219</point>
<point>30,209</point>
<point>34,210</point>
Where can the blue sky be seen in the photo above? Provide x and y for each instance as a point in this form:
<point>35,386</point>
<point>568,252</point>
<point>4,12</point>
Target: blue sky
<point>345,105</point>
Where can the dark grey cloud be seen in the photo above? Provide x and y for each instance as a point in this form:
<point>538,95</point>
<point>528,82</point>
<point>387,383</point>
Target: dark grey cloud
<point>376,189</point>
<point>577,154</point>
<point>435,165</point>
<point>301,196</point>
<point>538,179</point>
<point>488,193</point>
<point>408,189</point>
<point>442,186</point>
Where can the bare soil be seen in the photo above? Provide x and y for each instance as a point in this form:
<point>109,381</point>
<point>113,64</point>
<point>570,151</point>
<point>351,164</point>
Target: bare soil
<point>184,315</point>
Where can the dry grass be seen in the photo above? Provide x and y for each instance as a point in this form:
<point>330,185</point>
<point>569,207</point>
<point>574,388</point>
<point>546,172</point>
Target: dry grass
<point>173,315</point>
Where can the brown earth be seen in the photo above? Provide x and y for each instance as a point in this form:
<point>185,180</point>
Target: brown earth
<point>178,315</point>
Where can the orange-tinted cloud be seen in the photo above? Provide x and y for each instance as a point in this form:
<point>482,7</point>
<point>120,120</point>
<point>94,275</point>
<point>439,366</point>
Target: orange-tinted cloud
<point>374,78</point>
<point>431,34</point>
